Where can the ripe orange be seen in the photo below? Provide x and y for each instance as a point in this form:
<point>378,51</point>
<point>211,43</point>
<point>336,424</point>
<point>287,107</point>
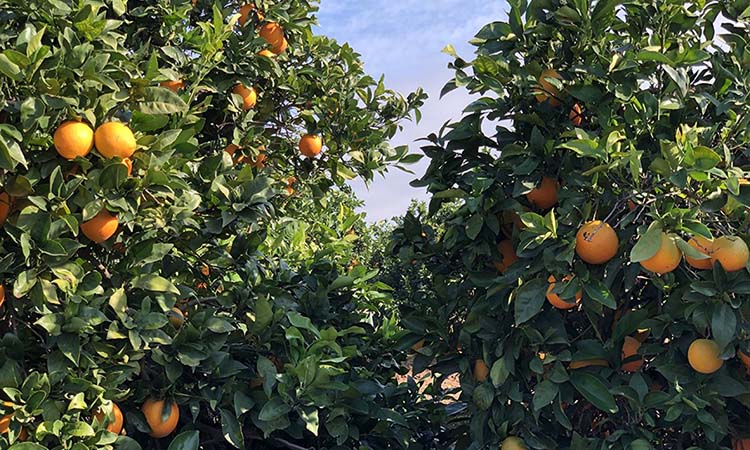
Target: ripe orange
<point>547,90</point>
<point>2,295</point>
<point>555,299</point>
<point>629,349</point>
<point>173,85</point>
<point>115,139</point>
<point>128,163</point>
<point>5,202</point>
<point>588,363</point>
<point>704,246</point>
<point>576,115</point>
<point>667,257</point>
<point>418,346</point>
<point>113,427</point>
<point>249,96</point>
<point>703,356</point>
<point>544,196</point>
<point>310,145</point>
<point>481,370</point>
<point>101,227</point>
<point>273,33</point>
<point>745,359</point>
<point>740,443</point>
<point>176,317</point>
<point>508,254</point>
<point>73,139</point>
<point>245,11</point>
<point>596,242</point>
<point>205,270</point>
<point>731,252</point>
<point>280,47</point>
<point>513,443</point>
<point>267,53</point>
<point>154,412</point>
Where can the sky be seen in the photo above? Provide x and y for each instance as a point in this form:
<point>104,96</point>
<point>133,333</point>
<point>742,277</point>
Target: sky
<point>403,40</point>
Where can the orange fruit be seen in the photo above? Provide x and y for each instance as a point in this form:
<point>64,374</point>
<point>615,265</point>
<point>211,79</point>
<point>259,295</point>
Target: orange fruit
<point>115,139</point>
<point>740,443</point>
<point>731,252</point>
<point>267,53</point>
<point>280,47</point>
<point>596,242</point>
<point>273,33</point>
<point>704,246</point>
<point>173,85</point>
<point>631,205</point>
<point>481,370</point>
<point>2,294</point>
<point>128,165</point>
<point>290,182</point>
<point>418,346</point>
<point>576,115</point>
<point>73,139</point>
<point>588,363</point>
<point>629,349</point>
<point>249,96</point>
<point>555,299</point>
<point>667,257</point>
<point>5,202</point>
<point>231,149</point>
<point>547,90</point>
<point>703,356</point>
<point>544,196</point>
<point>310,145</point>
<point>154,411</point>
<point>245,11</point>
<point>513,443</point>
<point>745,359</point>
<point>205,270</point>
<point>176,317</point>
<point>508,254</point>
<point>101,227</point>
<point>113,427</point>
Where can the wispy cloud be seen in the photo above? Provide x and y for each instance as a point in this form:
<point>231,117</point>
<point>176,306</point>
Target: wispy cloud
<point>403,40</point>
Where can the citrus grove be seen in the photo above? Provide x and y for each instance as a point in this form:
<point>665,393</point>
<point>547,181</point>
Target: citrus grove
<point>590,285</point>
<point>151,155</point>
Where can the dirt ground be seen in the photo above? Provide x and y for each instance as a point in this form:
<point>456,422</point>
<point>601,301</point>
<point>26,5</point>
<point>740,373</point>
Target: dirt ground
<point>424,379</point>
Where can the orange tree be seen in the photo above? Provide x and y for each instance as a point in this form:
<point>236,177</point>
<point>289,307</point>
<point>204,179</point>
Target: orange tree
<point>145,150</point>
<point>609,140</point>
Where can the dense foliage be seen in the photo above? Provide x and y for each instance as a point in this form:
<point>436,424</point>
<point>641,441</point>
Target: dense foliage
<point>175,291</point>
<point>634,113</point>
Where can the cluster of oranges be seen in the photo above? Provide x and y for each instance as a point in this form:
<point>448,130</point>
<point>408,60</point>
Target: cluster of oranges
<point>75,139</point>
<point>597,243</point>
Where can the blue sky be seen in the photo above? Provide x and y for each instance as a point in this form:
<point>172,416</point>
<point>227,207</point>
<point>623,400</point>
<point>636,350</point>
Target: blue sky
<point>403,39</point>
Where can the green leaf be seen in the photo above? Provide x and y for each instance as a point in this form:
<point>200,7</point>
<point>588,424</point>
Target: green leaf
<point>27,446</point>
<point>595,391</point>
<point>723,325</point>
<point>188,440</point>
<point>159,100</point>
<point>474,226</point>
<point>544,393</point>
<point>585,147</point>
<point>231,429</point>
<point>597,291</point>
<point>499,372</point>
<point>274,409</point>
<point>156,283</point>
<point>529,299</point>
<point>312,423</point>
<point>648,243</point>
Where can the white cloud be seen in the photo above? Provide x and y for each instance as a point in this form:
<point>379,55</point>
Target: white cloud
<point>403,40</point>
